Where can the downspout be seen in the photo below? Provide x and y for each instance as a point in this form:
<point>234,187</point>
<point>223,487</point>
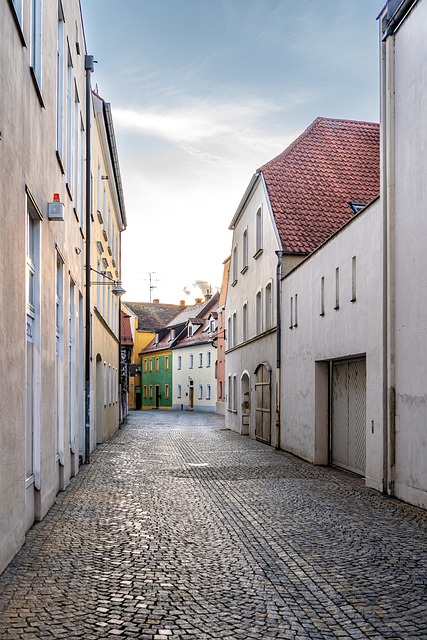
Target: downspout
<point>89,68</point>
<point>279,255</point>
<point>389,190</point>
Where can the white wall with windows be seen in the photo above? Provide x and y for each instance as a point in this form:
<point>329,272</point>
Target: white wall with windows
<point>194,367</point>
<point>251,303</point>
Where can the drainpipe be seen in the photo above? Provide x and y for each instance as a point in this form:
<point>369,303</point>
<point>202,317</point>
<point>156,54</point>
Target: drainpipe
<point>89,68</point>
<point>279,255</point>
<point>388,179</point>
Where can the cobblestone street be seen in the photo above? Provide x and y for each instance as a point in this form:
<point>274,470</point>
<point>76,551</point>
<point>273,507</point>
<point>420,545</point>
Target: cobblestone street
<point>181,529</point>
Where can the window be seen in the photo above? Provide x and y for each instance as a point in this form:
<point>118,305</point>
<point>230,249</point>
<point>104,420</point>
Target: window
<point>157,364</point>
<point>268,306</point>
<point>145,365</point>
<point>166,363</point>
<point>36,41</point>
<point>220,353</point>
<point>208,392</point>
<point>208,359</point>
<point>291,313</point>
<point>200,396</point>
<point>234,394</point>
<point>76,150</point>
<point>60,89</point>
<point>258,232</point>
<point>150,391</point>
<point>258,312</point>
<point>191,360</point>
<point>337,288</point>
<point>166,391</point>
<point>179,362</point>
<point>150,364</point>
<point>229,334</point>
<point>179,391</point>
<point>245,251</point>
<point>105,385</point>
<point>234,328</point>
<point>229,392</point>
<point>353,279</point>
<point>322,296</point>
<point>296,311</point>
<point>200,360</point>
<point>145,391</point>
<point>234,267</point>
<point>220,390</point>
<point>68,142</point>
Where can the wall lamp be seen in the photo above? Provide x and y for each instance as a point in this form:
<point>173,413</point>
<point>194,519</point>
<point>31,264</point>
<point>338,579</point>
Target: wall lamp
<point>117,289</point>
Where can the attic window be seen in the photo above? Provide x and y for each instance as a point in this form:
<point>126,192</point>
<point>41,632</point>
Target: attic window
<point>357,206</point>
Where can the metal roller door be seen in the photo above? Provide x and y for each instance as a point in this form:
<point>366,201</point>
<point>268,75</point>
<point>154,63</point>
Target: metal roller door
<point>349,415</point>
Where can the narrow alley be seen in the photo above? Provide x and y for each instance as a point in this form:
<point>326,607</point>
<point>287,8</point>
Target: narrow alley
<point>181,529</point>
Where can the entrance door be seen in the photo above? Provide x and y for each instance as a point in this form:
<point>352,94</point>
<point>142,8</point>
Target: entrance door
<point>191,397</point>
<point>349,415</point>
<point>157,390</point>
<point>263,403</point>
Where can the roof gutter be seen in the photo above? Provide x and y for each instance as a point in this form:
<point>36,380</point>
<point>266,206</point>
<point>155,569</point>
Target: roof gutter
<point>244,200</point>
<point>397,12</point>
<point>115,157</point>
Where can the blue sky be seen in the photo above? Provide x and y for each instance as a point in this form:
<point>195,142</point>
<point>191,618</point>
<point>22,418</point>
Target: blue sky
<point>203,92</point>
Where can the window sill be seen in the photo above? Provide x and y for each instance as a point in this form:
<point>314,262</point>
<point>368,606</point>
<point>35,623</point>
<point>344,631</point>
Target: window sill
<point>257,254</point>
<point>233,284</point>
<point>245,268</point>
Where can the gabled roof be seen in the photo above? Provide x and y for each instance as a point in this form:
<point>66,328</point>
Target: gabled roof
<point>310,185</point>
<point>198,315</point>
<point>195,311</point>
<point>152,316</point>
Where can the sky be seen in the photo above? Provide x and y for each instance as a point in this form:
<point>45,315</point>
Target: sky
<point>203,93</point>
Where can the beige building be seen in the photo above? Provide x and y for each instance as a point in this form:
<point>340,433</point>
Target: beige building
<point>43,210</point>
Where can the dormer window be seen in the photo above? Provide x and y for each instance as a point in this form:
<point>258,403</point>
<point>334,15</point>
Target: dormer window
<point>173,334</point>
<point>357,206</point>
<point>190,331</point>
<point>212,325</point>
<point>156,339</point>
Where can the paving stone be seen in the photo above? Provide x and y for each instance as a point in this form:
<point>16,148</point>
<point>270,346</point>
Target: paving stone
<point>179,529</point>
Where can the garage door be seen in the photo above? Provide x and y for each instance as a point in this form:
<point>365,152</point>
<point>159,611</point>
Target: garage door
<point>349,415</point>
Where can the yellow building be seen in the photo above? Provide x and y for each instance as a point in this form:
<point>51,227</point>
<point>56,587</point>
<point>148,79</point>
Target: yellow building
<point>146,318</point>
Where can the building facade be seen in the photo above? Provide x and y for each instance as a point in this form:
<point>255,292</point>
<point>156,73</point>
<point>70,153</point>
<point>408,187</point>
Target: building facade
<point>43,178</point>
<point>404,203</point>
<point>290,207</point>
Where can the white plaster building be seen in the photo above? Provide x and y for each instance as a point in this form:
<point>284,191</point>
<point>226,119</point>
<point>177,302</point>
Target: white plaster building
<point>193,370</point>
<point>333,352</point>
<point>43,152</point>
<point>292,205</point>
<point>354,345</point>
<point>404,202</point>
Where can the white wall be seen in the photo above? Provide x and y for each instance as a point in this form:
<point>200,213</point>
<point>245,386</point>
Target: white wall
<point>354,328</point>
<point>406,207</point>
<point>244,356</point>
<point>204,375</point>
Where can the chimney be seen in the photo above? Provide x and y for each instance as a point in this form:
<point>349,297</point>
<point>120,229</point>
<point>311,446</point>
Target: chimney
<point>198,300</point>
<point>182,303</point>
<point>156,301</point>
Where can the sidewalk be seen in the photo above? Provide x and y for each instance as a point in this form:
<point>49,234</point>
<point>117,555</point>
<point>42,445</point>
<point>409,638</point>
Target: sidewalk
<point>181,529</point>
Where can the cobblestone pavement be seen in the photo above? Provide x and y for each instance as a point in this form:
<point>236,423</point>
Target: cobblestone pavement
<point>181,529</point>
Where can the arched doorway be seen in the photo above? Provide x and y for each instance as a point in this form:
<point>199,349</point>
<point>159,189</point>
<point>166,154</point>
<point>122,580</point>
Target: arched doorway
<point>263,402</point>
<point>245,407</point>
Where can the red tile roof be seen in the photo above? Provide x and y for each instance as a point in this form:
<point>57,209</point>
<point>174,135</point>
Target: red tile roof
<point>125,330</point>
<point>311,183</point>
